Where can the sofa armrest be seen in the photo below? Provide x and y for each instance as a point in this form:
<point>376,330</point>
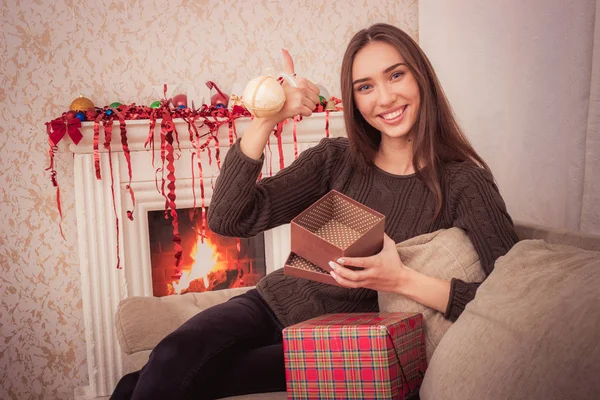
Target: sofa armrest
<point>141,322</point>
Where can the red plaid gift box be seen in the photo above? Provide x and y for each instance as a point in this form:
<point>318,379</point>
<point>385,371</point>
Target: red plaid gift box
<point>355,356</point>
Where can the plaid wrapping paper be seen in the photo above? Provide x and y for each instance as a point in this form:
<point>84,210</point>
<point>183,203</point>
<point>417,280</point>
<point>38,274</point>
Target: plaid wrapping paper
<point>355,356</point>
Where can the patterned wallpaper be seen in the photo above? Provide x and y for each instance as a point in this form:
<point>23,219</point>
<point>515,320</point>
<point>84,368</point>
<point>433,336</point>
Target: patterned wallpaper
<point>119,50</point>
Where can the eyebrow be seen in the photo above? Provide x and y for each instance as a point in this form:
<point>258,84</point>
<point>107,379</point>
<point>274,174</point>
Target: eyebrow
<point>388,69</point>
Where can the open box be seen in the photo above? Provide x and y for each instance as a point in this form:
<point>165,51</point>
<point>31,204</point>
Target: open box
<point>336,226</point>
<point>301,268</point>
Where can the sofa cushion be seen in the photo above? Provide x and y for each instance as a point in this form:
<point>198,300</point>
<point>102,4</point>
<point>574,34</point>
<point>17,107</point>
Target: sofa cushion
<point>530,333</point>
<point>141,322</point>
<point>444,254</point>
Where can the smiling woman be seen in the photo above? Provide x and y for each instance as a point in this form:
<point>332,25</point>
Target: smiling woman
<point>404,157</point>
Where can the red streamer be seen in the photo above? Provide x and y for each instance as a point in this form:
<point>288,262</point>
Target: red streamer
<point>167,129</point>
<point>127,154</point>
<point>96,147</point>
<point>107,139</point>
<point>295,139</point>
<point>51,150</point>
<point>277,133</point>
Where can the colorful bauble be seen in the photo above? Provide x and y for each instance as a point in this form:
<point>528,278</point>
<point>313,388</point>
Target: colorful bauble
<point>220,97</point>
<point>263,96</point>
<point>108,112</point>
<point>155,104</point>
<point>323,94</point>
<point>180,101</point>
<point>81,104</point>
<point>115,104</point>
<point>80,115</point>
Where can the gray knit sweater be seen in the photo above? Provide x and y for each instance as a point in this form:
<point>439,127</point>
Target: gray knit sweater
<point>242,207</point>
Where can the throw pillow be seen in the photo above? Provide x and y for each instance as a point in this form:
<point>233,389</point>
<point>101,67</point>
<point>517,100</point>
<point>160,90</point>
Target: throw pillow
<point>444,254</point>
<point>530,333</point>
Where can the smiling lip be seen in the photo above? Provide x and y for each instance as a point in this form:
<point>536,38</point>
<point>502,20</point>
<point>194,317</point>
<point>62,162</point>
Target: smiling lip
<point>397,118</point>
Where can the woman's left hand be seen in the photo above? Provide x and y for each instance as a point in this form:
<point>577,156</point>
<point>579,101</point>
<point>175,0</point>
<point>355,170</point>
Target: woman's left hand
<point>383,271</point>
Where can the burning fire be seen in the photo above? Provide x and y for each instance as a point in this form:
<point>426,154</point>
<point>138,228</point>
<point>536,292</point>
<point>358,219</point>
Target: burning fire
<point>202,253</point>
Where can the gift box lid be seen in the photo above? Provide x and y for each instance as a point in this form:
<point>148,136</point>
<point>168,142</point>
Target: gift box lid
<point>336,226</point>
<point>391,322</point>
<point>325,355</point>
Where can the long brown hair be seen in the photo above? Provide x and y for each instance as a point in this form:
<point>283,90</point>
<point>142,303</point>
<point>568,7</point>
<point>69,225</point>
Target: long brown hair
<point>437,137</point>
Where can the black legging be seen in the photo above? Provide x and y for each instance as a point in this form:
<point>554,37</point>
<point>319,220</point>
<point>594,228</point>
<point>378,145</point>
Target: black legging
<point>230,349</point>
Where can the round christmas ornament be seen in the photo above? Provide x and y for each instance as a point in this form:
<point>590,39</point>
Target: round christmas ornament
<point>115,104</point>
<point>323,94</point>
<point>155,104</point>
<point>80,115</point>
<point>220,97</point>
<point>264,96</point>
<point>180,101</point>
<point>81,104</point>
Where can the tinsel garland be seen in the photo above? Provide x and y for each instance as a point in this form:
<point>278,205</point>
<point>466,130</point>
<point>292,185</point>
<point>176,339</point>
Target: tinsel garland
<point>210,117</point>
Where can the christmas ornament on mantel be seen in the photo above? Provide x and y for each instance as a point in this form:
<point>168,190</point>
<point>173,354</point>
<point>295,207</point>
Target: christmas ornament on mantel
<point>212,116</point>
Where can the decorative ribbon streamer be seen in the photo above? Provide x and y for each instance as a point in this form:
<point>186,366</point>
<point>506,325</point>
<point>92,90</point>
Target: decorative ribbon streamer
<point>51,150</point>
<point>167,128</point>
<point>107,139</point>
<point>295,138</point>
<point>277,133</point>
<point>127,154</point>
<point>97,145</point>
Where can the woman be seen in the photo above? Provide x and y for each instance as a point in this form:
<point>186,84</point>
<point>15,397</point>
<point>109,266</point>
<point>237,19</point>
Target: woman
<point>405,156</point>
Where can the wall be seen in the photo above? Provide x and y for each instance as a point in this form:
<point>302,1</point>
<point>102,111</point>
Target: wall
<point>118,50</point>
<point>518,75</point>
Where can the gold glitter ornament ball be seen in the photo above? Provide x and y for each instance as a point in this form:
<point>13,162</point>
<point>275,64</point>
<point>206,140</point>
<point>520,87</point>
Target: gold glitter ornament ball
<point>82,104</point>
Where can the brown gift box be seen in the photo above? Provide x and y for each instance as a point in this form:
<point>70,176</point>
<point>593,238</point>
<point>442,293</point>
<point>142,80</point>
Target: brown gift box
<point>336,226</point>
<point>301,268</point>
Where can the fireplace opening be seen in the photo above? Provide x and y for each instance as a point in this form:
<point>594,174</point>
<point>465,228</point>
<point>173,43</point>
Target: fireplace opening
<point>209,261</point>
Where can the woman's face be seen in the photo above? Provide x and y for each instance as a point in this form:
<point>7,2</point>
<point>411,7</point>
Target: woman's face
<point>385,91</point>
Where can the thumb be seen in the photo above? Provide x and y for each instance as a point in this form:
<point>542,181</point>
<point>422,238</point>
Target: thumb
<point>388,241</point>
<point>288,62</point>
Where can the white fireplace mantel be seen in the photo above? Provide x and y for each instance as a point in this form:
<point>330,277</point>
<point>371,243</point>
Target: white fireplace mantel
<point>103,285</point>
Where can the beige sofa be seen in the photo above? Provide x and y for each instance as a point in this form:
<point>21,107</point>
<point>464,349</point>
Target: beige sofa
<point>143,321</point>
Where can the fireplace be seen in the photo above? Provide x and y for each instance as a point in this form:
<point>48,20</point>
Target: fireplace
<point>209,261</point>
<point>103,286</point>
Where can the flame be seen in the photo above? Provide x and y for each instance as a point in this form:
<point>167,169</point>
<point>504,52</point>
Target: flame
<point>202,253</point>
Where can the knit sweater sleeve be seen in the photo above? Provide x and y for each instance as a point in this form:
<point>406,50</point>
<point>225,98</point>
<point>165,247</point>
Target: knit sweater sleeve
<point>478,209</point>
<point>241,206</point>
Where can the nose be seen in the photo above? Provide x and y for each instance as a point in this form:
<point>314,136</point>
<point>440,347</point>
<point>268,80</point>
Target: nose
<point>385,96</point>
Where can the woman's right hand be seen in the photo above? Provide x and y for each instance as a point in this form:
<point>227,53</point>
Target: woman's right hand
<point>299,100</point>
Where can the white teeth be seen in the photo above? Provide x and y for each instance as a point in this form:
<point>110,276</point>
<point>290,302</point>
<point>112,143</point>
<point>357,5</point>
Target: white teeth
<point>394,114</point>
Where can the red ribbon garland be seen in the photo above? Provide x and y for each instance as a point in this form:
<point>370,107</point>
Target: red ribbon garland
<point>167,152</point>
<point>277,132</point>
<point>127,154</point>
<point>107,139</point>
<point>51,150</point>
<point>295,138</point>
<point>57,129</point>
<point>96,145</point>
